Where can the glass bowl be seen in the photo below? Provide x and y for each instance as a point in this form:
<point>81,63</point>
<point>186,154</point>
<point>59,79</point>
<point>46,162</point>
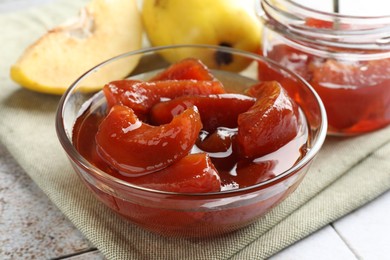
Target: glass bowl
<point>193,214</point>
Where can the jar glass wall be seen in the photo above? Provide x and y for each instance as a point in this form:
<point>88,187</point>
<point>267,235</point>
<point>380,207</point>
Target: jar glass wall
<point>345,56</point>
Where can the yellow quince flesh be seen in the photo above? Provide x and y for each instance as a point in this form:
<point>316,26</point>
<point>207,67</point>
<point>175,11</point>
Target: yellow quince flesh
<point>104,29</point>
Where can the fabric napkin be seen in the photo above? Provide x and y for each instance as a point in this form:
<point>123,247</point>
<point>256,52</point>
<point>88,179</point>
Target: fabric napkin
<point>347,173</point>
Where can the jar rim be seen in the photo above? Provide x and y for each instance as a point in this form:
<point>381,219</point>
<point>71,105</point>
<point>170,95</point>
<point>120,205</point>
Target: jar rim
<point>292,4</point>
<point>341,30</point>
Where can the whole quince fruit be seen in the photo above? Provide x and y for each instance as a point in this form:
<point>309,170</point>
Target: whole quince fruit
<point>231,23</point>
<point>104,29</point>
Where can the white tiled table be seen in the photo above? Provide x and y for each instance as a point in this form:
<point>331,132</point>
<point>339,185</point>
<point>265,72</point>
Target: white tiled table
<point>31,227</point>
<point>363,234</point>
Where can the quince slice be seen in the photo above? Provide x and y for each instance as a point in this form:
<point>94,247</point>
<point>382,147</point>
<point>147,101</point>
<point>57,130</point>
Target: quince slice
<point>104,29</point>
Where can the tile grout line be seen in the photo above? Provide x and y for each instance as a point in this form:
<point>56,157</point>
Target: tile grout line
<point>350,248</point>
<point>92,249</point>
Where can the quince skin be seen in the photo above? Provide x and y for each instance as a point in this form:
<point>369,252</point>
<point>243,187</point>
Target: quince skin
<point>231,23</point>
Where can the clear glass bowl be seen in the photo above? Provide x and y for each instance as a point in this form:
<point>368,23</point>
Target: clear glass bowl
<point>195,214</point>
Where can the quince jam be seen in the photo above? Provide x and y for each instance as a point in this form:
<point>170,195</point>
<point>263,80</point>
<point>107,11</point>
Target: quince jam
<point>353,87</point>
<point>183,131</point>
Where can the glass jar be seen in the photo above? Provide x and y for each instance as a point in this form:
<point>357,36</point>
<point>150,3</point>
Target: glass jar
<point>342,53</point>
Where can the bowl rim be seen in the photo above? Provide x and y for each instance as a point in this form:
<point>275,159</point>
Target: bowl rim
<point>74,155</point>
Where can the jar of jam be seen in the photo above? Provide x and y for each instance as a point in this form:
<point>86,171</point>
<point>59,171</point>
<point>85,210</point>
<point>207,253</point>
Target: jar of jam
<point>342,48</point>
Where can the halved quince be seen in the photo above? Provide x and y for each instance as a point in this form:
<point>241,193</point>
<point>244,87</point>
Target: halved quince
<point>104,29</point>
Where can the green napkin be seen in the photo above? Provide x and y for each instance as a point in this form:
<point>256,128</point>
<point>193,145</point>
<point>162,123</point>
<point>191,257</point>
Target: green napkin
<point>347,173</point>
